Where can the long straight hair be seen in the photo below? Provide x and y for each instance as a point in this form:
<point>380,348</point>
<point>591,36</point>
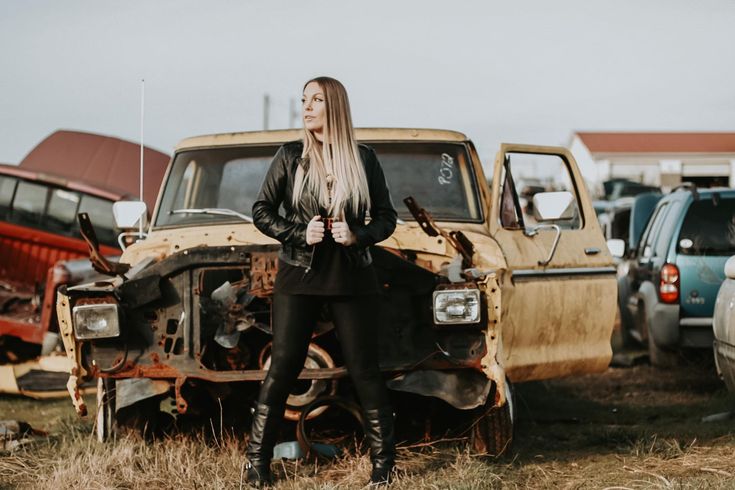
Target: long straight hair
<point>338,152</point>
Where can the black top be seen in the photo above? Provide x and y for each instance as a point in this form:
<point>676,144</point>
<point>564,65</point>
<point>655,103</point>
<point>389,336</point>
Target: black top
<point>333,272</point>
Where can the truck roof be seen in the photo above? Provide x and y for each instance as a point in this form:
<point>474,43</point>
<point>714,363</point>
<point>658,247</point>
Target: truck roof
<point>57,180</point>
<point>104,162</point>
<point>281,136</point>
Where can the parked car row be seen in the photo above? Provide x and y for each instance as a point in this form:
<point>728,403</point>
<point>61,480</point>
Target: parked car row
<point>671,270</point>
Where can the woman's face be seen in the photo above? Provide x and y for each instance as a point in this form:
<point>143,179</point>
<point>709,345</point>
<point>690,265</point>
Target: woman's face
<point>314,109</point>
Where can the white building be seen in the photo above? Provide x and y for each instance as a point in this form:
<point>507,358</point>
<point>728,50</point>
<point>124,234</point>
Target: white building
<point>660,159</point>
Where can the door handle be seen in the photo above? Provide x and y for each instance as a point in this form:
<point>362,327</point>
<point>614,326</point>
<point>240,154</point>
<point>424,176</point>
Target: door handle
<point>591,250</point>
<point>553,245</point>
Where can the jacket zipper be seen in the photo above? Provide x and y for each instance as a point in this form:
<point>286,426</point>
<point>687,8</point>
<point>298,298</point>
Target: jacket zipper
<point>311,259</point>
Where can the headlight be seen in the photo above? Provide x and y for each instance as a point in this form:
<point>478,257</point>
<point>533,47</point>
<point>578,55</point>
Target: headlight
<point>453,306</point>
<point>96,321</point>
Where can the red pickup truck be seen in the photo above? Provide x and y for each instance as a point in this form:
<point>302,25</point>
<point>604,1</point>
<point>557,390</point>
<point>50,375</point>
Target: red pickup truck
<point>68,173</point>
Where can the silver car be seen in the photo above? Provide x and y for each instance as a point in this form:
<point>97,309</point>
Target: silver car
<point>724,327</point>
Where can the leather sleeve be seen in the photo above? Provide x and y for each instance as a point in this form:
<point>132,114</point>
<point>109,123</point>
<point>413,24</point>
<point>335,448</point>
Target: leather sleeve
<point>382,212</point>
<point>272,194</point>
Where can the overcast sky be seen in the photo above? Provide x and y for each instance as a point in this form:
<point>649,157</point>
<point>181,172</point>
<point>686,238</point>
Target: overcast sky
<point>515,71</point>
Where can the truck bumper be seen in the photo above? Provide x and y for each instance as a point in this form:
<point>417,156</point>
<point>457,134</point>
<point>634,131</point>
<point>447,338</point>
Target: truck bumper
<point>669,331</point>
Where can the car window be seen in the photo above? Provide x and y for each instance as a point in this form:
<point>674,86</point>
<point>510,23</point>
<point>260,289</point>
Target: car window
<point>241,182</point>
<point>438,175</point>
<point>61,210</point>
<point>214,178</point>
<point>525,175</point>
<point>662,240</point>
<point>651,233</point>
<point>29,203</point>
<point>708,227</point>
<point>7,189</point>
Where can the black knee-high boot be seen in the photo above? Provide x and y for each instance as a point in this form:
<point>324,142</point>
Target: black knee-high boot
<point>263,434</point>
<point>379,430</point>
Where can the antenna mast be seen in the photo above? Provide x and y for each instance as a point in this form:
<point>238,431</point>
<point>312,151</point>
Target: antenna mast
<point>142,112</point>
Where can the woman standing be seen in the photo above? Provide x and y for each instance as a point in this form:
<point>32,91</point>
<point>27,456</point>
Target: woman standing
<point>326,184</point>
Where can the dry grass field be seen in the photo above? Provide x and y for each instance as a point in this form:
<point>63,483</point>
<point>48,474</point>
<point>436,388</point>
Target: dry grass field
<point>626,428</point>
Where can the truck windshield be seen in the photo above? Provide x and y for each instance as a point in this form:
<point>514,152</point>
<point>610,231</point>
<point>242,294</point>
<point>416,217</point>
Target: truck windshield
<point>438,175</point>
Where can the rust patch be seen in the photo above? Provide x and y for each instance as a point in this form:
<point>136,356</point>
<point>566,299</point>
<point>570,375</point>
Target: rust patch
<point>96,300</point>
<point>181,404</point>
<point>263,268</point>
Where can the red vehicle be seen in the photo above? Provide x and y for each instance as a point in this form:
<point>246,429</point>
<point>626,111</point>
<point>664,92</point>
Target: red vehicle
<point>68,173</point>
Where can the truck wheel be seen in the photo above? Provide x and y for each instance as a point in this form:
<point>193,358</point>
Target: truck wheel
<point>659,357</point>
<point>492,435</point>
<point>106,425</point>
<point>143,417</point>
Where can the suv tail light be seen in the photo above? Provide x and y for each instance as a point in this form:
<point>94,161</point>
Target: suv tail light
<point>669,287</point>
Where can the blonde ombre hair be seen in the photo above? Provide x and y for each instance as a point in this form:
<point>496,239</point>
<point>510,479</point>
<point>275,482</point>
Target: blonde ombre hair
<point>339,152</point>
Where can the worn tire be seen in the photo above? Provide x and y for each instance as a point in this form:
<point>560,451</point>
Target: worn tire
<point>142,417</point>
<point>492,435</point>
<point>105,423</point>
<point>659,357</point>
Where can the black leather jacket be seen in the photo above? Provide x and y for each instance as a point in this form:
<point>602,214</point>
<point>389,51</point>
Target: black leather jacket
<point>290,229</point>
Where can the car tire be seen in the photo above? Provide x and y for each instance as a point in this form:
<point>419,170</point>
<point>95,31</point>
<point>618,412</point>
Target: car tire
<point>626,326</point>
<point>143,417</point>
<point>492,435</point>
<point>659,357</point>
<point>105,423</point>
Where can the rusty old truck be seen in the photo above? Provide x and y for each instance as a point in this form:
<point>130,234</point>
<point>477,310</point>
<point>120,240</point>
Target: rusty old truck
<point>481,287</point>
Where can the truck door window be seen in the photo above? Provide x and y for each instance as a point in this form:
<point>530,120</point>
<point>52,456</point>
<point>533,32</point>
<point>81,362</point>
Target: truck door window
<point>29,203</point>
<point>7,189</point>
<point>62,210</point>
<point>527,174</point>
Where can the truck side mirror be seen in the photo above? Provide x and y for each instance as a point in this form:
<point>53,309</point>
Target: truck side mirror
<point>730,267</point>
<point>128,213</point>
<point>552,206</point>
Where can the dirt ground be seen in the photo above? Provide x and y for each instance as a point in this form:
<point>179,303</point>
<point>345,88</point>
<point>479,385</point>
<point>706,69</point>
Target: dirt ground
<point>629,427</point>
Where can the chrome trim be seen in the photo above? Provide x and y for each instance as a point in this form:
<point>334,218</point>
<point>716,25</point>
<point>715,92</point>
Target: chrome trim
<point>695,322</point>
<point>573,271</point>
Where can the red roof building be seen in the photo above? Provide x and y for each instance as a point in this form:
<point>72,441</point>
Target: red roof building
<point>663,159</point>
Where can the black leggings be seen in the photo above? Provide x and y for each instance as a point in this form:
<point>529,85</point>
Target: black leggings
<point>294,318</point>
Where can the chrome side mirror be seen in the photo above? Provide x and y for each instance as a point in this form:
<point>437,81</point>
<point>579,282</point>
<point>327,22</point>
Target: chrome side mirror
<point>616,247</point>
<point>127,214</point>
<point>553,206</point>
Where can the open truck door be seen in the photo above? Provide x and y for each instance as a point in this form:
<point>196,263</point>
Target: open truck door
<point>559,291</point>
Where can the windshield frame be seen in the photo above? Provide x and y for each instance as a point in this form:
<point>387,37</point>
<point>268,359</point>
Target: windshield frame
<point>470,183</point>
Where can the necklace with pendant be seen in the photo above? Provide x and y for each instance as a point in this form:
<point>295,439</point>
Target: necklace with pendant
<point>330,187</point>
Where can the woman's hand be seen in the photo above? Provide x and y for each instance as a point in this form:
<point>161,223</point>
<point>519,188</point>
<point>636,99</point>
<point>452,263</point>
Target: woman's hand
<point>315,230</point>
<point>342,233</point>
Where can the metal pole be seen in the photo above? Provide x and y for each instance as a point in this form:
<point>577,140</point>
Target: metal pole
<point>266,110</point>
<point>142,107</point>
<point>292,114</point>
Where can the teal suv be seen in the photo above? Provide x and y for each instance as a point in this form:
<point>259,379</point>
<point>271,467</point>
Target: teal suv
<point>668,284</point>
